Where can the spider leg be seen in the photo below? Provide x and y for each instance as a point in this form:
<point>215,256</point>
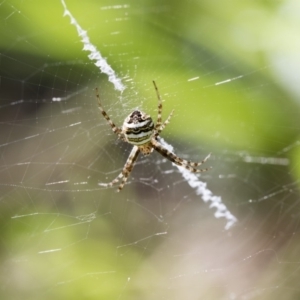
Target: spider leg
<point>158,123</point>
<point>162,126</point>
<point>196,164</point>
<point>126,170</point>
<point>177,160</point>
<point>114,128</point>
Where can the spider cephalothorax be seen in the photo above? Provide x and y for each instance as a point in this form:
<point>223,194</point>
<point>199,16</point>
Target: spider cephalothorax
<point>139,130</point>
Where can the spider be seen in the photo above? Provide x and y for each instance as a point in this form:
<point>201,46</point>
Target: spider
<point>139,130</point>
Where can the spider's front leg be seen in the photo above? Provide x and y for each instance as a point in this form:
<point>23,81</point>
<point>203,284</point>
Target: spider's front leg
<point>189,165</point>
<point>126,170</point>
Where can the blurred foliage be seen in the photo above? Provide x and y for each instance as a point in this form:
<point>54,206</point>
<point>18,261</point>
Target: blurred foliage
<point>239,114</point>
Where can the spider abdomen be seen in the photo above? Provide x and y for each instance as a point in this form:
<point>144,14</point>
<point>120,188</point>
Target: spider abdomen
<point>138,128</point>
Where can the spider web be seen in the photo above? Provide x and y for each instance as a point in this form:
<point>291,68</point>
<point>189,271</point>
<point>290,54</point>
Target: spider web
<point>229,233</point>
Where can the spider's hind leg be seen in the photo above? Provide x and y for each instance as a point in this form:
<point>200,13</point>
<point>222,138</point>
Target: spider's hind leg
<point>165,123</point>
<point>114,128</point>
<point>159,113</point>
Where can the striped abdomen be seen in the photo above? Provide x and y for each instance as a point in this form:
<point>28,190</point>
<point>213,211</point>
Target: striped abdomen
<point>138,128</point>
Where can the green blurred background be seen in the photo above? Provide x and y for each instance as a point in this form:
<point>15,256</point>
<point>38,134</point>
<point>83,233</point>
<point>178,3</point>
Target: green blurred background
<point>230,69</point>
